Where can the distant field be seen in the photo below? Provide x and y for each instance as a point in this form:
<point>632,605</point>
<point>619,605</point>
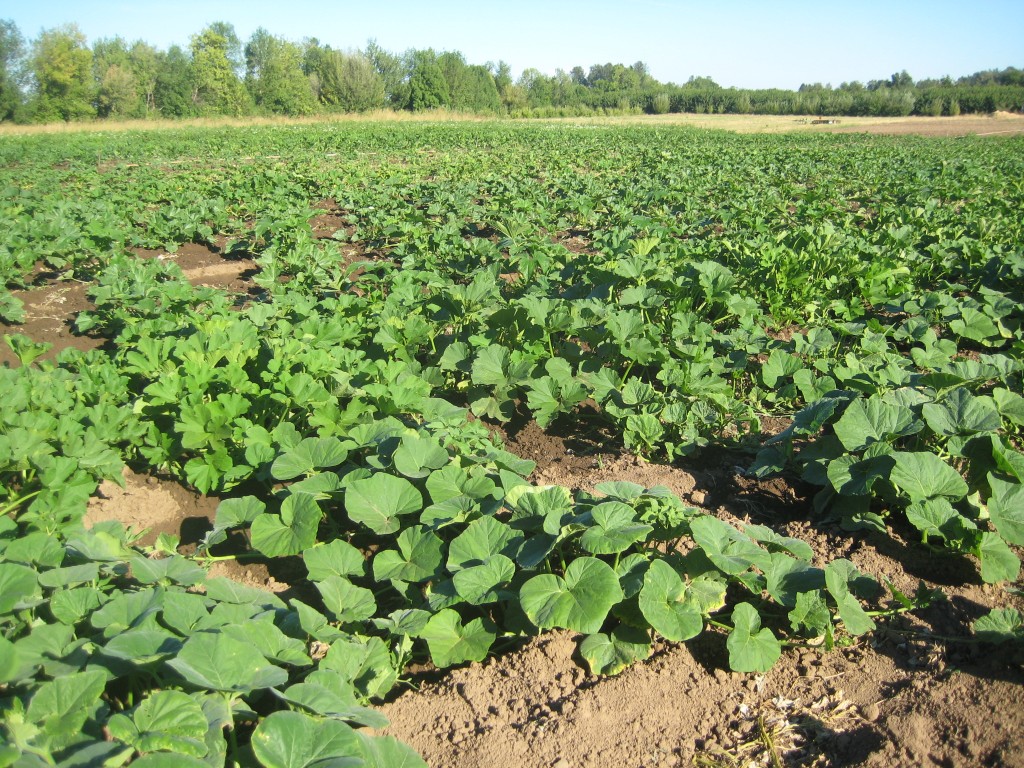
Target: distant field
<point>999,124</point>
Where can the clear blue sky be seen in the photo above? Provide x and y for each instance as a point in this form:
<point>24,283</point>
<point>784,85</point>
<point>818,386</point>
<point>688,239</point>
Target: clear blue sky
<point>743,43</point>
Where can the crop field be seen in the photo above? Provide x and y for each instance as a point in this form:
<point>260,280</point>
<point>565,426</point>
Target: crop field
<point>459,444</point>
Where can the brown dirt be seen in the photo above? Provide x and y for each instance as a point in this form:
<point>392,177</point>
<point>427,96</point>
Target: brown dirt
<point>999,124</point>
<point>203,265</point>
<point>152,506</point>
<point>50,311</point>
<point>331,222</point>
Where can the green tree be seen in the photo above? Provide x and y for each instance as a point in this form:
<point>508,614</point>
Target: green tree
<point>62,68</point>
<point>12,52</point>
<point>537,87</point>
<point>144,61</point>
<point>349,82</point>
<point>216,88</point>
<point>116,88</point>
<point>428,88</point>
<point>172,84</point>
<point>274,75</point>
<point>393,73</point>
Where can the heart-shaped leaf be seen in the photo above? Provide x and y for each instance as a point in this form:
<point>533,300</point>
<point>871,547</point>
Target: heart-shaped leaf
<point>751,649</point>
<point>579,602</point>
<point>667,605</point>
<point>377,501</point>
<point>452,643</point>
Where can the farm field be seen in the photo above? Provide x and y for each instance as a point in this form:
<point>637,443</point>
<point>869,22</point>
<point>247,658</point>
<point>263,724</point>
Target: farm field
<point>465,443</point>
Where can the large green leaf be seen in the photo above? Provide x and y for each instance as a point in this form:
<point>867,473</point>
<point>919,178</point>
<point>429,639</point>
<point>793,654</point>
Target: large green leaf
<point>490,367</point>
<point>937,517</point>
<point>345,600</point>
<point>479,584</point>
<point>751,649</point>
<point>450,642</point>
<point>335,558</point>
<point>482,538</point>
<point>1006,507</point>
<point>311,454</point>
<point>961,413</point>
<point>389,752</point>
<point>841,577</point>
<point>668,605</point>
<point>923,475</point>
<point>417,559</point>
<point>610,654</point>
<point>1000,625</point>
<point>729,549</point>
<point>377,501</point>
<point>579,602</point>
<point>295,740</point>
<point>417,457</point>
<point>61,707</point>
<point>290,532</point>
<point>787,578</point>
<point>615,529</point>
<point>998,562</point>
<point>166,720</point>
<point>217,662</point>
<point>874,420</point>
<point>851,476</point>
<point>19,586</point>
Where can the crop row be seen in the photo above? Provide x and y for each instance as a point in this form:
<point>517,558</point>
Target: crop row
<point>676,286</point>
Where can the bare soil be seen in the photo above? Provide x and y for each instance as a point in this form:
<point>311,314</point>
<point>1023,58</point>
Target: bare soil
<point>203,265</point>
<point>50,312</point>
<point>998,124</point>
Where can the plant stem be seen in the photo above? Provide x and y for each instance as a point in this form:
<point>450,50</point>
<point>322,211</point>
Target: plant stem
<point>18,502</point>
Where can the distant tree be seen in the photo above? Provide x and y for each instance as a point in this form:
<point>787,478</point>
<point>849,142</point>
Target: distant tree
<point>578,76</point>
<point>701,82</point>
<point>537,87</point>
<point>428,88</point>
<point>143,59</point>
<point>233,45</point>
<point>350,82</point>
<point>216,88</point>
<point>62,68</point>
<point>12,53</point>
<point>600,73</point>
<point>481,90</point>
<point>393,73</point>
<point>116,95</point>
<point>116,88</point>
<point>661,104</point>
<point>172,83</point>
<point>274,75</point>
<point>453,67</point>
<point>901,80</point>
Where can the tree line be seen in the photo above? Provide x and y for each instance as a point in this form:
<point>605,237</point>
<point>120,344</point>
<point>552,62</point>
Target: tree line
<point>58,76</point>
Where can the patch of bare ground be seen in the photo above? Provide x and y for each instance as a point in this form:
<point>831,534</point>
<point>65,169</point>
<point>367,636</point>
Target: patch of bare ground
<point>575,241</point>
<point>154,505</point>
<point>998,124</point>
<point>907,695</point>
<point>207,266</point>
<point>50,311</point>
<point>332,223</point>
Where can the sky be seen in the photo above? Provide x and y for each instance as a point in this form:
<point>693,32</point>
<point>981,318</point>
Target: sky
<point>741,43</point>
